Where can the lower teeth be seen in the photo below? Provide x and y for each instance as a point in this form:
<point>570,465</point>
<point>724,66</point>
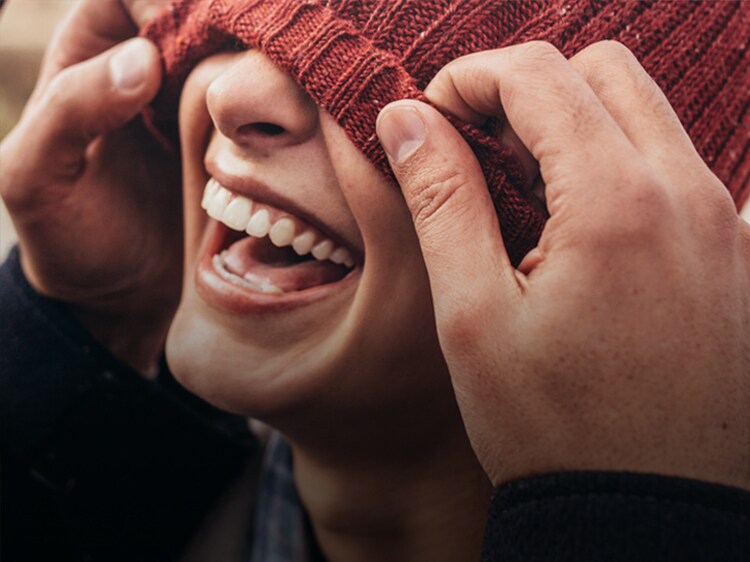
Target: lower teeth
<point>250,281</point>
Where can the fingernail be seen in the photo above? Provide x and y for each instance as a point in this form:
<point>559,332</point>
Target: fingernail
<point>128,66</point>
<point>401,131</point>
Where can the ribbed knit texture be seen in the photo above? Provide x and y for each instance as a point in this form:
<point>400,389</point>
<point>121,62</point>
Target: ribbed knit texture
<point>355,56</point>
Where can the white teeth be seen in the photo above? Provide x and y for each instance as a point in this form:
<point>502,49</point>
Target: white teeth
<point>218,203</point>
<point>259,224</point>
<point>263,284</point>
<point>323,250</point>
<point>340,255</point>
<point>211,188</point>
<point>282,232</point>
<point>303,243</point>
<point>250,281</point>
<point>237,213</point>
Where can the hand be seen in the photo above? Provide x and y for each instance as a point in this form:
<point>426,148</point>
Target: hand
<point>94,198</point>
<point>622,342</point>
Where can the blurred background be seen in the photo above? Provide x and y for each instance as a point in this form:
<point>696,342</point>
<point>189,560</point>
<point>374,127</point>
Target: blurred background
<point>25,29</point>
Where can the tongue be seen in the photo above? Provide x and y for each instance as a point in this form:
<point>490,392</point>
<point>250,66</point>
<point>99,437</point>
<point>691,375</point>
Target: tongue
<point>260,262</point>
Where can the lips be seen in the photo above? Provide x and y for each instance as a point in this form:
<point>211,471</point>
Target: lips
<point>267,253</point>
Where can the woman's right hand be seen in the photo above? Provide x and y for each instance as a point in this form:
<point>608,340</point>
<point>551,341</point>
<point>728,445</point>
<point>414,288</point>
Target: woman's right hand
<point>622,341</point>
<point>95,199</point>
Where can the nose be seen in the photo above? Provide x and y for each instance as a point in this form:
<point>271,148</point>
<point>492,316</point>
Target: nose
<point>259,106</point>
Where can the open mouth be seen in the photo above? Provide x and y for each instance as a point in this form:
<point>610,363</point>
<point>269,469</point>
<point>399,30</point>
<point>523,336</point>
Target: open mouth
<point>265,250</point>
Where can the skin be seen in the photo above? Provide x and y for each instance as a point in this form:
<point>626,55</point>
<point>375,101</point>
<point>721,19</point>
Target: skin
<point>74,138</point>
<point>365,401</point>
<point>626,333</point>
<point>682,383</point>
<point>69,185</point>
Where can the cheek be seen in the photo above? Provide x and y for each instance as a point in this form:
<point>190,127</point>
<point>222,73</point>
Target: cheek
<point>375,202</point>
<point>194,180</point>
<point>196,129</point>
<point>383,218</point>
<point>395,287</point>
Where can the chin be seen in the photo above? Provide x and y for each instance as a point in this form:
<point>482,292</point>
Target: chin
<point>256,365</point>
<point>341,360</point>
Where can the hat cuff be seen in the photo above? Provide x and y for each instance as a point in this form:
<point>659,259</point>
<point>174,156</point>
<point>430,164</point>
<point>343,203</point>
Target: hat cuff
<point>342,71</point>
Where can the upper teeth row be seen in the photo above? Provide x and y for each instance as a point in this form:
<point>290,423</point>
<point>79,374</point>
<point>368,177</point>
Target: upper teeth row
<point>239,213</point>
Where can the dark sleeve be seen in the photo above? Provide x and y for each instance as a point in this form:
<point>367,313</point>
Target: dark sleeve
<point>98,463</point>
<point>617,517</point>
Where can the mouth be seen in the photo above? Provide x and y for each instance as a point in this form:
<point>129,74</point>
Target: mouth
<point>259,256</point>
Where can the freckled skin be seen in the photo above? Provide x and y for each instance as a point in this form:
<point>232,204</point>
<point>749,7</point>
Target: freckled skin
<point>622,342</point>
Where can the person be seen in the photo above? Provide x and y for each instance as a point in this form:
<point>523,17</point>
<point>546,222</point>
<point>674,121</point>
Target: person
<point>336,347</point>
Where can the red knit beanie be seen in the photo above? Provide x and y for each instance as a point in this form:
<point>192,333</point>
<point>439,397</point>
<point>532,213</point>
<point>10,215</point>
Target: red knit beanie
<point>355,56</point>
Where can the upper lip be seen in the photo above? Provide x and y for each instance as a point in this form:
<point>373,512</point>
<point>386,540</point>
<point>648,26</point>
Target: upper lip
<point>262,193</point>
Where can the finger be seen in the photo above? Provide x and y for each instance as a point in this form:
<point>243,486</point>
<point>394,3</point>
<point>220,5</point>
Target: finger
<point>143,11</point>
<point>638,106</point>
<point>554,112</point>
<point>91,28</point>
<point>453,215</point>
<point>447,95</point>
<point>81,103</point>
<point>745,212</point>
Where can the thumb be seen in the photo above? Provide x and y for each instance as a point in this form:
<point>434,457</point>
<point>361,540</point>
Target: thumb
<point>82,102</point>
<point>450,205</point>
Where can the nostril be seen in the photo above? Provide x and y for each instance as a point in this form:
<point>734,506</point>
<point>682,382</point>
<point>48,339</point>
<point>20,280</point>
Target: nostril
<point>266,129</point>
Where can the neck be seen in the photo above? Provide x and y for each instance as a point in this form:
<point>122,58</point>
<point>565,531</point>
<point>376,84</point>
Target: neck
<point>424,500</point>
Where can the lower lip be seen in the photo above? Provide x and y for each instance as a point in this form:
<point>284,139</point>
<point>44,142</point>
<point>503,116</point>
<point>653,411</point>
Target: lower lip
<point>225,295</point>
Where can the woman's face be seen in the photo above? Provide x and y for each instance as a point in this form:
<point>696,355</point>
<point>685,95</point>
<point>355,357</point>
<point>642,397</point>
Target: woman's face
<point>344,328</point>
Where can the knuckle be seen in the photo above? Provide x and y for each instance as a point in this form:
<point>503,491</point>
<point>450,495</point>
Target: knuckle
<point>710,205</point>
<point>433,194</point>
<point>467,80</point>
<point>5,178</point>
<point>611,51</point>
<point>461,328</point>
<point>462,87</point>
<point>144,10</point>
<point>652,204</point>
<point>60,104</point>
<point>606,65</point>
<point>646,192</point>
<point>614,73</point>
<point>16,166</point>
<point>57,97</point>
<point>638,216</point>
<point>65,109</point>
<point>583,125</point>
<point>646,210</point>
<point>535,53</point>
<point>530,65</point>
<point>459,63</point>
